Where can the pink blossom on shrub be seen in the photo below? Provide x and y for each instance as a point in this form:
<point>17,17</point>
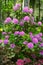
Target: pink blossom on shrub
<point>20,62</point>
<point>15,21</point>
<point>41,52</point>
<point>31,36</point>
<point>41,45</point>
<point>25,42</point>
<point>30,45</point>
<point>26,9</point>
<point>16,33</point>
<point>39,23</point>
<point>8,20</point>
<point>26,18</point>
<point>22,33</point>
<point>7,36</point>
<point>21,23</point>
<point>6,41</point>
<point>30,33</point>
<point>16,7</point>
<point>30,10</point>
<point>1,41</point>
<point>4,33</point>
<point>37,36</point>
<point>40,39</point>
<point>12,45</point>
<point>27,60</point>
<point>35,40</point>
<point>40,34</point>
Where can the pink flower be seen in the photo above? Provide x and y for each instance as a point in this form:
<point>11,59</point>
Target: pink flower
<point>38,64</point>
<point>30,33</point>
<point>30,10</point>
<point>1,41</point>
<point>26,9</point>
<point>26,60</point>
<point>39,23</point>
<point>31,36</point>
<point>25,42</point>
<point>6,41</point>
<point>22,33</point>
<point>35,40</point>
<point>41,52</point>
<point>40,39</point>
<point>6,36</point>
<point>30,45</point>
<point>16,7</point>
<point>37,36</point>
<point>15,21</point>
<point>8,20</point>
<point>12,45</point>
<point>21,23</point>
<point>4,33</point>
<point>26,18</point>
<point>20,62</point>
<point>40,34</point>
<point>16,33</point>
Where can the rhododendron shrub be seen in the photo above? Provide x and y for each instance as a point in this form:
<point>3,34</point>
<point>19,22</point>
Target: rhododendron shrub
<point>22,36</point>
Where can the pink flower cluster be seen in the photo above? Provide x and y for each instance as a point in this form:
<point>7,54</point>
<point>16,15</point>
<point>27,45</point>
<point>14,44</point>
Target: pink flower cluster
<point>6,40</point>
<point>8,20</point>
<point>28,10</point>
<point>16,7</point>
<point>36,38</point>
<point>27,18</point>
<point>21,23</point>
<point>15,21</point>
<point>39,23</point>
<point>1,41</point>
<point>27,61</point>
<point>21,33</point>
<point>12,45</point>
<point>23,61</point>
<point>29,45</point>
